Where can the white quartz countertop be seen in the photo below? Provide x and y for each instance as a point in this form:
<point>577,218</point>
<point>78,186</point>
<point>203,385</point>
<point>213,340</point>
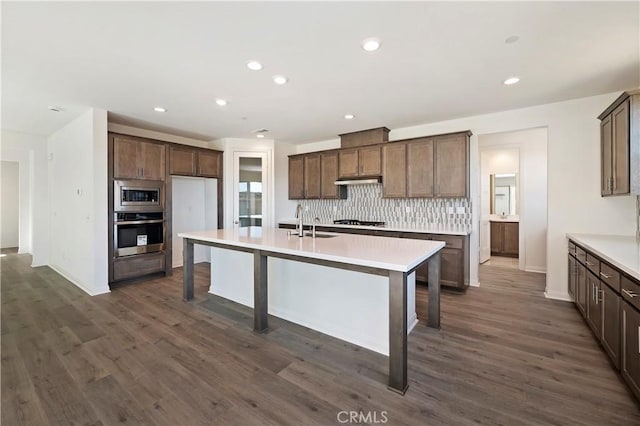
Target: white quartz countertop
<point>498,218</point>
<point>623,252</point>
<point>420,230</point>
<point>394,254</point>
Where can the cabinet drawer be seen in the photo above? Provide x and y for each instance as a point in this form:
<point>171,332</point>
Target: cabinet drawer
<point>630,291</point>
<point>610,276</point>
<point>593,263</point>
<point>581,255</point>
<point>452,241</point>
<point>137,266</point>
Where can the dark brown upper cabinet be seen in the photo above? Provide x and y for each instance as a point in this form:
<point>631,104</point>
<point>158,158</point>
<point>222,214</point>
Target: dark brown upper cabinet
<point>329,173</point>
<point>312,176</point>
<point>620,146</point>
<point>187,161</point>
<point>365,161</point>
<point>209,163</point>
<point>420,167</point>
<point>135,158</point>
<point>451,165</point>
<point>394,170</point>
<point>296,177</point>
<point>182,161</point>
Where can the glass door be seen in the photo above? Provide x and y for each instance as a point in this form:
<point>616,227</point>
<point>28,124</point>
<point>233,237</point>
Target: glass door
<point>249,183</point>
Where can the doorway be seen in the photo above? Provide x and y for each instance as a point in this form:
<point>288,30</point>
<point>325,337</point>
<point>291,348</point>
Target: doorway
<point>513,199</point>
<point>250,189</point>
<point>10,214</point>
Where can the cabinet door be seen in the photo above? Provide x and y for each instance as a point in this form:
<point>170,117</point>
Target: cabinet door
<point>620,149</point>
<point>630,351</point>
<point>420,169</point>
<point>511,238</point>
<point>594,311</point>
<point>581,288</point>
<point>572,277</point>
<point>369,161</point>
<point>296,177</point>
<point>497,236</point>
<point>328,175</point>
<point>182,161</point>
<point>348,163</point>
<point>125,158</point>
<point>605,156</point>
<point>451,166</point>
<point>151,157</point>
<point>312,176</point>
<point>394,170</point>
<point>610,323</point>
<point>209,163</point>
<point>452,267</point>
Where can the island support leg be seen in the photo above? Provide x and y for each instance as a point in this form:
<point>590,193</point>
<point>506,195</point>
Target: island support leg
<point>433,318</point>
<point>187,274</point>
<point>398,332</point>
<point>260,293</point>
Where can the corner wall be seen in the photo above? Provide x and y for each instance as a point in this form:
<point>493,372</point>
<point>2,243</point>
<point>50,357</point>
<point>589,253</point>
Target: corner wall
<point>78,201</point>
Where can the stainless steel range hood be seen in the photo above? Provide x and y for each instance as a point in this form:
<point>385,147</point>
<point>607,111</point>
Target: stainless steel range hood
<point>359,181</point>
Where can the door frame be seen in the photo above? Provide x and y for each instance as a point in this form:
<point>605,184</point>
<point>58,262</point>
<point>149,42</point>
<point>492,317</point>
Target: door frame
<point>267,196</point>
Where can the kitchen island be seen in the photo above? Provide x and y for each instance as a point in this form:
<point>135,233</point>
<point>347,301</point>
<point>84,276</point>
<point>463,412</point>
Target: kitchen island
<point>389,259</point>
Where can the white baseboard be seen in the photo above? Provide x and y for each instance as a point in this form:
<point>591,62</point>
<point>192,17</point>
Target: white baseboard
<point>564,296</point>
<point>78,283</point>
<point>474,284</point>
<point>412,322</point>
<point>536,269</point>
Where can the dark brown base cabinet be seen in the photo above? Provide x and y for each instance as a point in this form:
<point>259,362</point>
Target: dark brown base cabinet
<point>505,239</point>
<point>454,257</point>
<point>609,302</point>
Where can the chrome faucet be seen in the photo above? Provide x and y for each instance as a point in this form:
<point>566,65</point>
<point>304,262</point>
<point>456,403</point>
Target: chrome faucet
<point>313,230</point>
<point>299,226</point>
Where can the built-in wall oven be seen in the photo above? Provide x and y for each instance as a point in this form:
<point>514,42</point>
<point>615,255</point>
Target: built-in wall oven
<point>138,233</point>
<point>138,196</point>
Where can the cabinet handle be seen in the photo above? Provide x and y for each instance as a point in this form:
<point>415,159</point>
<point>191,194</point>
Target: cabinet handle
<point>629,293</point>
<point>142,169</point>
<point>604,275</point>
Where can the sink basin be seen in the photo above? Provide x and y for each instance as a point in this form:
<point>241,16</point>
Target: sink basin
<point>321,235</point>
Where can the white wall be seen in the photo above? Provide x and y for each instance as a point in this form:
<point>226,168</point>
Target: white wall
<point>9,203</point>
<point>194,208</point>
<point>30,151</point>
<point>573,161</point>
<point>532,156</point>
<point>78,201</point>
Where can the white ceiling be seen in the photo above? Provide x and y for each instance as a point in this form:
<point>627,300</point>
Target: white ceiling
<point>438,61</point>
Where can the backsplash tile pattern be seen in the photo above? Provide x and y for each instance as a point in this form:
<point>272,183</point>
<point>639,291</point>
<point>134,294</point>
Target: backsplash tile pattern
<point>365,202</point>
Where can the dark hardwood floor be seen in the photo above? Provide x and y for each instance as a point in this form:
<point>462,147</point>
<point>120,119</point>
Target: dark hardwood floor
<point>140,355</point>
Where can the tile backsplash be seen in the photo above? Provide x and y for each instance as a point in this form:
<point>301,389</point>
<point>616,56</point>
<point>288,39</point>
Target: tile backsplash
<point>365,202</point>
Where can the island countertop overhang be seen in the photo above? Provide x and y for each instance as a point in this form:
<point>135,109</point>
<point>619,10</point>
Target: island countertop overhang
<point>393,254</point>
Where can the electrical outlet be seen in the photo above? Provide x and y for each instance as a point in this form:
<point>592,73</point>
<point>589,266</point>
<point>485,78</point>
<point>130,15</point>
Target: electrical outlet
<point>450,210</point>
<point>460,210</point>
<point>407,209</point>
<point>306,208</point>
<point>335,209</point>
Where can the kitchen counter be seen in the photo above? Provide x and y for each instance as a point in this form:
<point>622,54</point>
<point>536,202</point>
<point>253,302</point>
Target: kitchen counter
<point>622,252</point>
<point>498,218</point>
<point>417,229</point>
<point>391,254</point>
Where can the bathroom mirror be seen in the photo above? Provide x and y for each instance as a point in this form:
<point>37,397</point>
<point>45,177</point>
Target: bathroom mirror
<point>503,194</point>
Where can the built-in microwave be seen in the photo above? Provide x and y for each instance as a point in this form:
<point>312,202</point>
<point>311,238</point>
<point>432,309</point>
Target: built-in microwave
<point>138,196</point>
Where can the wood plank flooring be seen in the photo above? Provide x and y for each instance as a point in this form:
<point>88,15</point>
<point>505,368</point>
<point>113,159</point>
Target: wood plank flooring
<point>140,355</point>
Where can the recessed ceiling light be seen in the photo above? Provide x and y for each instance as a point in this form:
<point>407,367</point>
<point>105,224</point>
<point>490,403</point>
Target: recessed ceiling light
<point>349,116</point>
<point>512,39</point>
<point>254,65</point>
<point>54,108</point>
<point>221,102</point>
<point>511,80</point>
<point>370,44</point>
<point>160,109</point>
<point>260,135</point>
<point>280,79</point>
